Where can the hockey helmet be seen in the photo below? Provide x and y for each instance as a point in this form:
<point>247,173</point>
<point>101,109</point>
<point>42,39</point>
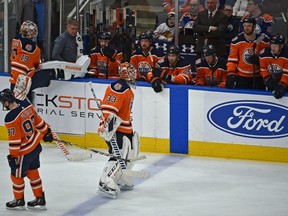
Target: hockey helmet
<point>7,95</point>
<point>128,72</point>
<point>146,35</point>
<point>29,30</point>
<point>277,39</point>
<point>249,20</point>
<point>105,36</point>
<point>173,49</point>
<point>208,50</point>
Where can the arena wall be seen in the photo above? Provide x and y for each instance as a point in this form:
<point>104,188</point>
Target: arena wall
<point>192,120</point>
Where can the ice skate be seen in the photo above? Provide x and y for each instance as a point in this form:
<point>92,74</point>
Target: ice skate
<point>16,204</point>
<point>39,203</point>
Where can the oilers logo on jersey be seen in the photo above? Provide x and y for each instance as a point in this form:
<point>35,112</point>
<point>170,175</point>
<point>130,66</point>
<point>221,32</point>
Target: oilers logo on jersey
<point>143,68</point>
<point>275,71</point>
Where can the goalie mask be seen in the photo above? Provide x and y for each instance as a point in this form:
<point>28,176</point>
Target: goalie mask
<point>7,96</point>
<point>128,72</point>
<point>29,30</point>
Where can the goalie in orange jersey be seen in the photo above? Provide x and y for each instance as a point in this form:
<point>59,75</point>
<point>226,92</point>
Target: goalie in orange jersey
<point>25,59</point>
<point>117,102</point>
<point>274,66</point>
<point>25,131</point>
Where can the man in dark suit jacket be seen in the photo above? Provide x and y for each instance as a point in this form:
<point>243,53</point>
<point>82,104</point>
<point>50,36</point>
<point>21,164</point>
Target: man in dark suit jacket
<point>210,26</point>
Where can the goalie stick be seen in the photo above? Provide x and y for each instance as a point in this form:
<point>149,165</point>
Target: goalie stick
<point>114,145</point>
<point>141,157</point>
<point>138,174</point>
<point>66,152</point>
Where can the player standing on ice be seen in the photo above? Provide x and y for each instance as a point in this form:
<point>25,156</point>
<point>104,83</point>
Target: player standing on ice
<point>25,130</point>
<point>117,101</point>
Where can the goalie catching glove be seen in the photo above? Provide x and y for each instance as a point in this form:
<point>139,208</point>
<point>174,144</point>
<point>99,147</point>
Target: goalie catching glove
<point>108,127</point>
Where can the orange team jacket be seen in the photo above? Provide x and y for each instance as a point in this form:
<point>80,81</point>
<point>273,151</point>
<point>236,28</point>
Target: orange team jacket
<point>276,66</point>
<point>144,62</point>
<point>25,129</point>
<point>211,75</point>
<point>99,62</point>
<point>181,72</point>
<point>25,57</point>
<point>118,99</point>
<point>240,50</point>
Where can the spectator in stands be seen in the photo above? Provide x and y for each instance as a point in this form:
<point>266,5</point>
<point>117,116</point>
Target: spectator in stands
<point>264,21</point>
<point>278,10</point>
<point>145,57</point>
<point>210,26</point>
<point>105,59</point>
<point>211,71</point>
<point>165,31</point>
<point>240,8</point>
<point>186,22</point>
<point>274,66</point>
<point>171,69</point>
<point>169,5</point>
<point>243,62</point>
<point>232,28</point>
<point>65,46</point>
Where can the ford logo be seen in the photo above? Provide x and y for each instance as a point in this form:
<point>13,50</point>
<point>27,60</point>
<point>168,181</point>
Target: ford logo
<point>253,119</point>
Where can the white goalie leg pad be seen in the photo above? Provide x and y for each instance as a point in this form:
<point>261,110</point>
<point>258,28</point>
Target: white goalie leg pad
<point>22,86</point>
<point>108,128</point>
<point>107,184</point>
<point>126,182</point>
<point>135,150</point>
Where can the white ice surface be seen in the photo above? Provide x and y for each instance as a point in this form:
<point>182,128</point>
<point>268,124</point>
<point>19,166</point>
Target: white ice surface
<point>177,186</point>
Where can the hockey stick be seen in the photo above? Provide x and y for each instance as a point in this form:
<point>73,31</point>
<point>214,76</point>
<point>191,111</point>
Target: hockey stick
<point>141,157</point>
<point>113,141</point>
<point>66,152</point>
<point>258,40</point>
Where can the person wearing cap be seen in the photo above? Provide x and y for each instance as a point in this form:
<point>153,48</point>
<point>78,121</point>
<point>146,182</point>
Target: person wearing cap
<point>165,31</point>
<point>243,69</point>
<point>65,46</point>
<point>264,22</point>
<point>274,66</point>
<point>172,69</point>
<point>212,70</point>
<point>105,59</point>
<point>145,57</point>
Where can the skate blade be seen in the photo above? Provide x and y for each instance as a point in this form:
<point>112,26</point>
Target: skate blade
<point>37,208</point>
<point>126,188</point>
<point>105,194</point>
<point>18,208</point>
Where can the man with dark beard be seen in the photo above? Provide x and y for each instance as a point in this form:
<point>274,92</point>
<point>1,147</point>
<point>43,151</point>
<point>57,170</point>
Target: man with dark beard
<point>243,61</point>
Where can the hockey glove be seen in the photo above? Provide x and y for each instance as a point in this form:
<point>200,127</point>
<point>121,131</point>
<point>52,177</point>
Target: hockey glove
<point>270,83</point>
<point>156,71</point>
<point>157,85</point>
<point>12,162</point>
<point>280,90</point>
<point>110,52</point>
<point>231,81</point>
<point>48,137</point>
<point>166,77</point>
<point>253,59</point>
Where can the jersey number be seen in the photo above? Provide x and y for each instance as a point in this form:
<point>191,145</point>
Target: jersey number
<point>24,58</point>
<point>111,99</point>
<point>28,127</point>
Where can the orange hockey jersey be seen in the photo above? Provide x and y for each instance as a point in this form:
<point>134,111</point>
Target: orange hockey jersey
<point>99,64</point>
<point>211,75</point>
<point>181,73</point>
<point>240,50</point>
<point>276,66</point>
<point>118,99</point>
<point>144,62</point>
<point>25,129</point>
<point>25,58</point>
